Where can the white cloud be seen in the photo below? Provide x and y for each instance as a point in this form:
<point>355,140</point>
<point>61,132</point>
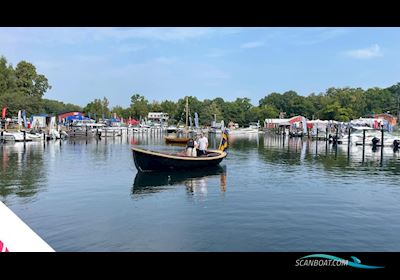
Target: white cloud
<point>71,36</point>
<point>251,45</point>
<point>371,52</point>
<point>152,33</point>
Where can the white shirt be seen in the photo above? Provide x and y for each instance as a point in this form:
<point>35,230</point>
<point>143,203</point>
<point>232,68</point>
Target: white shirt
<point>203,142</point>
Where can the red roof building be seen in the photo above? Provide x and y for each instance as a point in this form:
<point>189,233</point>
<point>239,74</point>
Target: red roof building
<point>67,114</point>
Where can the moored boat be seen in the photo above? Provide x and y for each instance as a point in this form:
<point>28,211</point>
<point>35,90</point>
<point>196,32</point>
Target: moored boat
<point>173,139</point>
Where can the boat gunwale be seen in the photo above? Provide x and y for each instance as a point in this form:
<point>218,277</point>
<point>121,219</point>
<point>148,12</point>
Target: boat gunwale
<point>154,153</point>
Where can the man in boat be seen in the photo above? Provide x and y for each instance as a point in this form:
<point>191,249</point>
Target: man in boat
<point>203,145</point>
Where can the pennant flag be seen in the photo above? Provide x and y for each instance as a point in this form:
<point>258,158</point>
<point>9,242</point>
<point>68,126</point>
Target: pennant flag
<point>304,122</point>
<point>103,117</point>
<point>24,118</point>
<point>196,120</point>
<point>19,119</point>
<point>190,121</point>
<point>95,117</point>
<point>89,115</point>
<point>224,141</point>
<point>3,115</point>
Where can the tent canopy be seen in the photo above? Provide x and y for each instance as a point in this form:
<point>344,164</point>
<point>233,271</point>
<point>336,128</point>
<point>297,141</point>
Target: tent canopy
<point>77,117</point>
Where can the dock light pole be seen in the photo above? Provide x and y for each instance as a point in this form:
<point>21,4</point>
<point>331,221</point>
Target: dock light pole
<point>363,146</point>
<point>348,142</point>
<point>382,145</point>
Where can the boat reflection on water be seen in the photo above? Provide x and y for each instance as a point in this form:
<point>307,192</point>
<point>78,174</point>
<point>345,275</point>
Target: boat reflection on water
<point>196,181</point>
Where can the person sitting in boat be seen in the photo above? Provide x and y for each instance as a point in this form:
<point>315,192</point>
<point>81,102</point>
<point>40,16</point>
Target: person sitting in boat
<point>191,148</point>
<point>203,145</point>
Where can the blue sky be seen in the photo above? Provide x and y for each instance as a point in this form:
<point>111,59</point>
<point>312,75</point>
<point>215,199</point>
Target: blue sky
<point>169,63</point>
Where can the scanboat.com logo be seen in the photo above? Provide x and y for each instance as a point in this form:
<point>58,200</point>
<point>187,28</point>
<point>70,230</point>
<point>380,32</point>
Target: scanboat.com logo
<point>329,260</point>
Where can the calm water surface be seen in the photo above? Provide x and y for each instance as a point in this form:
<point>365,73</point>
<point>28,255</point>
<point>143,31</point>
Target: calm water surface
<point>267,195</point>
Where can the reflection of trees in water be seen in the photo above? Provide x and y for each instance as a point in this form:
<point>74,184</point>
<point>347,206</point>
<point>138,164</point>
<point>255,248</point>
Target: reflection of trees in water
<point>196,182</point>
<point>294,151</point>
<point>21,171</point>
<point>244,142</point>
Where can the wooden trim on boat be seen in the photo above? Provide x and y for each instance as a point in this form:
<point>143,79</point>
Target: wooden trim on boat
<point>221,155</point>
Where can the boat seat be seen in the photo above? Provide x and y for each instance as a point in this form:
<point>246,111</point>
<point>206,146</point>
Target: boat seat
<point>212,154</point>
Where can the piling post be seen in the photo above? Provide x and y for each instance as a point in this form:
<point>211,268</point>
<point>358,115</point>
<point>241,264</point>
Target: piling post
<point>363,138</point>
<point>348,140</point>
<point>348,143</point>
<point>337,133</point>
<point>326,133</point>
<point>382,145</point>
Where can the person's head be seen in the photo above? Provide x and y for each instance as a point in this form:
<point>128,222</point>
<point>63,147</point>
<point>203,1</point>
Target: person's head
<point>201,135</point>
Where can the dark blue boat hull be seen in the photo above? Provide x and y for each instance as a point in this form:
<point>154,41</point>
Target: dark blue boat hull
<point>147,162</point>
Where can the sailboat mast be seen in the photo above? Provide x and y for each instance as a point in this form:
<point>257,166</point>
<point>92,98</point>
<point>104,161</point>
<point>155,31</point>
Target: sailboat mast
<point>187,111</point>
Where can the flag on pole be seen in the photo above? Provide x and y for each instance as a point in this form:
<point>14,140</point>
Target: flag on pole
<point>190,121</point>
<point>95,117</point>
<point>89,115</point>
<point>19,119</point>
<point>196,120</point>
<point>223,146</point>
<point>24,118</point>
<point>103,117</point>
<point>3,115</point>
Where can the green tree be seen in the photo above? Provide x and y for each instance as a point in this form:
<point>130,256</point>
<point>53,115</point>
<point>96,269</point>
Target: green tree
<point>210,111</point>
<point>29,83</point>
<point>170,108</point>
<point>121,112</point>
<point>98,107</point>
<point>139,106</point>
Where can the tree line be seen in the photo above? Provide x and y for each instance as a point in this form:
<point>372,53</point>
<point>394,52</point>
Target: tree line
<point>22,88</point>
<point>340,104</point>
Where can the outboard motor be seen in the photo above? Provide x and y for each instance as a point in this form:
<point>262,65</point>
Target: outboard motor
<point>396,144</point>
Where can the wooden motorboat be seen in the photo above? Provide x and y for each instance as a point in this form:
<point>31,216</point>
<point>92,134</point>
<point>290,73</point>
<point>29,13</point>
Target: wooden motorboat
<point>173,139</point>
<point>147,161</point>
